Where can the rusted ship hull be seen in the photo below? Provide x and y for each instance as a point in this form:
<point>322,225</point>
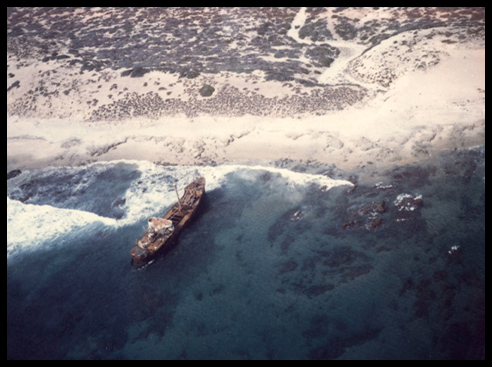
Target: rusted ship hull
<point>181,214</point>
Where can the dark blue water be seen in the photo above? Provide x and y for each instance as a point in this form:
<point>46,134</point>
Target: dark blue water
<point>272,268</point>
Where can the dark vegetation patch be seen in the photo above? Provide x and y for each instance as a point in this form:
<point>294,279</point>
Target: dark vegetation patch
<point>137,40</point>
<point>316,31</point>
<point>206,90</point>
<point>158,43</point>
<point>15,84</point>
<point>323,55</point>
<point>346,29</point>
<point>153,105</point>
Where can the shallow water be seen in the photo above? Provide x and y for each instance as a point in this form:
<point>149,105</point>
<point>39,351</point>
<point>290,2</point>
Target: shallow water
<point>267,271</point>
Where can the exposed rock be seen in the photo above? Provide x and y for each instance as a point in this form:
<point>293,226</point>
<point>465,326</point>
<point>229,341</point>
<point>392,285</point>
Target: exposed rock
<point>371,209</point>
<point>373,223</point>
<point>407,202</point>
<point>349,224</point>
<point>364,216</point>
<point>381,186</point>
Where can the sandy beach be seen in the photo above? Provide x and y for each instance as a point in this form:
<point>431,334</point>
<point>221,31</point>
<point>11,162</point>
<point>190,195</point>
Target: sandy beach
<point>396,100</point>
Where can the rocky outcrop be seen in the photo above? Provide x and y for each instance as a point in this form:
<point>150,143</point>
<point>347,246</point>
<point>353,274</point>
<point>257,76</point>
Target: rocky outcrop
<point>407,202</point>
<point>366,216</point>
<point>371,209</point>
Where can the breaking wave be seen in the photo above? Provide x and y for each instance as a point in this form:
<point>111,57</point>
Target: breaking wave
<point>32,226</point>
<point>46,204</point>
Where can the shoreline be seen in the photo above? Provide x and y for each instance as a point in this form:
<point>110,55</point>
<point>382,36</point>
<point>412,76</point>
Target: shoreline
<point>454,154</point>
<point>420,91</point>
<point>33,143</point>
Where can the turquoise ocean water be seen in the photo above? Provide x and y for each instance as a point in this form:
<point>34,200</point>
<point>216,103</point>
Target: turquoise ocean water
<point>304,262</point>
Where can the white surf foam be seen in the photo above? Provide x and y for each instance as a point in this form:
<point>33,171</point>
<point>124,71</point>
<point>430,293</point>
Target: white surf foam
<point>303,179</point>
<point>146,195</point>
<point>406,202</point>
<point>31,226</point>
<point>153,192</point>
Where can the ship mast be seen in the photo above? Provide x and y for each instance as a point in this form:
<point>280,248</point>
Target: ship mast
<point>179,200</point>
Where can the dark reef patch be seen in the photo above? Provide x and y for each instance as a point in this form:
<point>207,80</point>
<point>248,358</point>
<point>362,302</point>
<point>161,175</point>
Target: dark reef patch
<point>336,348</point>
<point>13,174</point>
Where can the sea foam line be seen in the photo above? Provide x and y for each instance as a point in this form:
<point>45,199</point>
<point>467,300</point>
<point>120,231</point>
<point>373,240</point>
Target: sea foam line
<point>141,204</point>
<point>29,226</point>
<point>215,175</point>
<point>300,178</point>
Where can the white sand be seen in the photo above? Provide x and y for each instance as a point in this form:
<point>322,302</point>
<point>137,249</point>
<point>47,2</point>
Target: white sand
<point>422,110</point>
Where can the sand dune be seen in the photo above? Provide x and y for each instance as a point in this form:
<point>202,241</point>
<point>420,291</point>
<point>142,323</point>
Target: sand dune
<point>340,94</point>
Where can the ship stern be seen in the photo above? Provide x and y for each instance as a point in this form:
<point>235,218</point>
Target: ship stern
<point>140,257</point>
